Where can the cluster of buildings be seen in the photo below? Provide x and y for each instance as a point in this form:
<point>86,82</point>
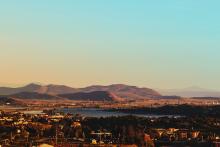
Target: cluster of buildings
<point>180,137</point>
<point>173,134</point>
<point>57,129</point>
<point>20,129</point>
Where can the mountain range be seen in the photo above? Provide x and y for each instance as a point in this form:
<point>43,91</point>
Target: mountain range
<point>115,92</point>
<point>48,89</point>
<point>190,92</point>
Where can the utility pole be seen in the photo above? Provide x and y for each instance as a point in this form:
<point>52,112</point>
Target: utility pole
<point>100,138</point>
<point>56,135</point>
<point>11,136</point>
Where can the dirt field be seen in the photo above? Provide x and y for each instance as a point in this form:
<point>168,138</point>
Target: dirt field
<point>125,104</point>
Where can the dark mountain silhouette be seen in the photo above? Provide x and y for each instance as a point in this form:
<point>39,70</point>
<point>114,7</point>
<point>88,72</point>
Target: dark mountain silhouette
<point>92,96</point>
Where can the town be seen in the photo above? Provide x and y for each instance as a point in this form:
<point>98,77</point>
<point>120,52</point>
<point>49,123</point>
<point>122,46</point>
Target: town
<point>109,73</point>
<point>52,128</point>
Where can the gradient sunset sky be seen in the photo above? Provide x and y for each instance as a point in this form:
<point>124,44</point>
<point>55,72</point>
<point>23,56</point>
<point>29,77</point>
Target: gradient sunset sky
<point>151,43</point>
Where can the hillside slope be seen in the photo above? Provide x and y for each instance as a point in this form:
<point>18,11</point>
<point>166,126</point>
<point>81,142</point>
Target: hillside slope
<point>92,96</point>
<point>125,91</point>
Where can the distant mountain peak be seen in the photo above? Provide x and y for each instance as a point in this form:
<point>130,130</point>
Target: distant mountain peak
<point>195,88</point>
<point>193,91</point>
<point>32,85</point>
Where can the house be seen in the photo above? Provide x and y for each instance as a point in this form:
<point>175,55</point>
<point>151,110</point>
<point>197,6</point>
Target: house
<point>195,134</point>
<point>182,134</point>
<point>45,145</point>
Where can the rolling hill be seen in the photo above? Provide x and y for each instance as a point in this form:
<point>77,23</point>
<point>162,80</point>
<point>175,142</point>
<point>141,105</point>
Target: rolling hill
<point>46,89</point>
<point>4,100</point>
<point>28,88</point>
<point>92,96</point>
<point>111,92</point>
<point>34,96</point>
<point>125,91</point>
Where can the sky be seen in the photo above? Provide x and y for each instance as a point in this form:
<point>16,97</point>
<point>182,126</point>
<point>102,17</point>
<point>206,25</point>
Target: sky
<point>157,44</point>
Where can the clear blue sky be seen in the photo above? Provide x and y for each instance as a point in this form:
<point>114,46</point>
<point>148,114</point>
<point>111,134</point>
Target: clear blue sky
<point>158,44</point>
